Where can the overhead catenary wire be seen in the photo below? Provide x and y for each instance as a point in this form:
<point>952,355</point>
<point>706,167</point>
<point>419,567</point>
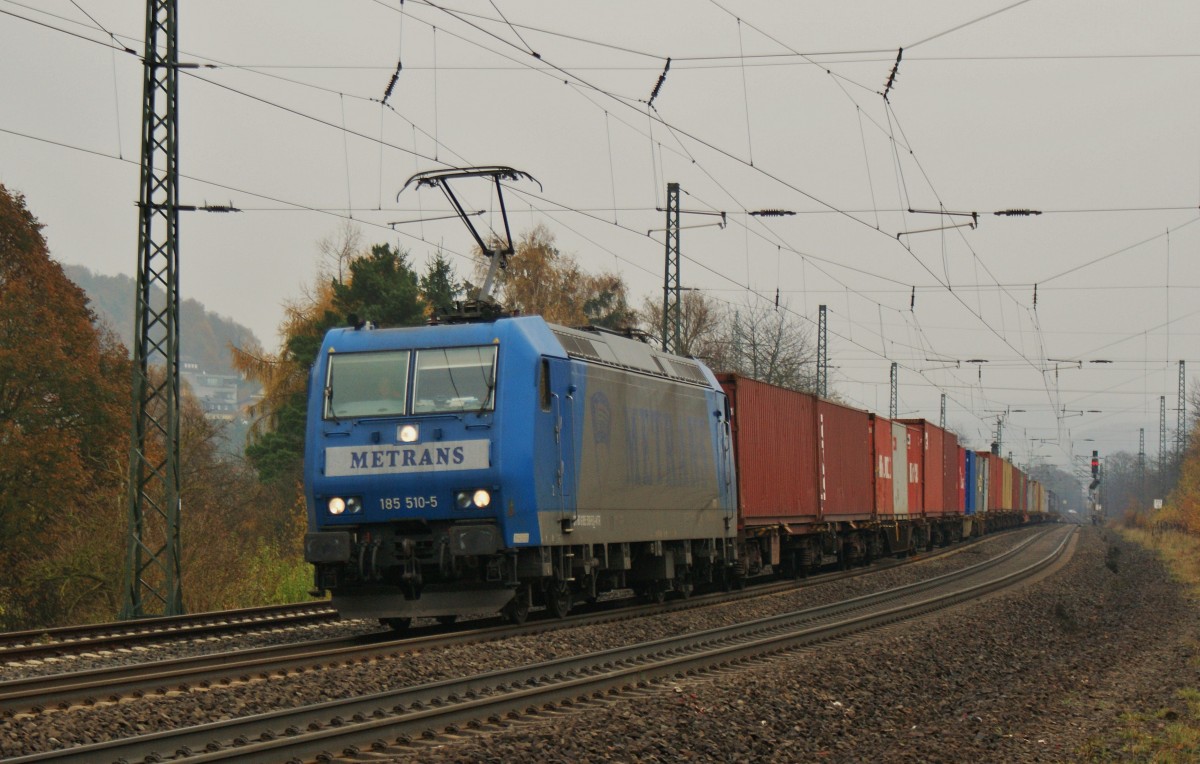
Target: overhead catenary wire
<point>743,58</point>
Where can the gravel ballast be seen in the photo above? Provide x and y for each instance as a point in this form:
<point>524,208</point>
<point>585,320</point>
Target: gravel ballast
<point>1029,676</point>
<point>1026,676</point>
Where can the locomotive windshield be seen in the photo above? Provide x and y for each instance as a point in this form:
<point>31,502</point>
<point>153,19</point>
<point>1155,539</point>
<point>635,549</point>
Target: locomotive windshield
<point>446,380</point>
<point>454,379</point>
<point>366,384</point>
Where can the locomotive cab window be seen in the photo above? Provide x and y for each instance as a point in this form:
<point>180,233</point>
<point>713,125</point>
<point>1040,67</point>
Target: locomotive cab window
<point>366,384</point>
<point>454,379</point>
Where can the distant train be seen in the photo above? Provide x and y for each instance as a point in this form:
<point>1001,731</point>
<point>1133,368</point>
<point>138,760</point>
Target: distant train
<point>497,465</point>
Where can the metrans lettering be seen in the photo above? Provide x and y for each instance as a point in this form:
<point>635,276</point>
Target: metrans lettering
<point>424,457</point>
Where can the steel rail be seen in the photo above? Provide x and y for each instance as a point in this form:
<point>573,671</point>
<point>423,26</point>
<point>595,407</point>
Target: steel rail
<point>423,710</point>
<point>38,693</point>
<point>23,645</point>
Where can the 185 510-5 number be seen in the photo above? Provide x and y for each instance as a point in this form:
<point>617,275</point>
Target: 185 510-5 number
<point>408,502</point>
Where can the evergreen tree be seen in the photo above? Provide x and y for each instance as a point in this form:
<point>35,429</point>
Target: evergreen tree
<point>439,288</point>
<point>382,288</point>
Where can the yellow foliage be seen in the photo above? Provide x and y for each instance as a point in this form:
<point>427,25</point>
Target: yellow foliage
<point>1182,507</point>
<point>282,375</point>
<point>541,280</point>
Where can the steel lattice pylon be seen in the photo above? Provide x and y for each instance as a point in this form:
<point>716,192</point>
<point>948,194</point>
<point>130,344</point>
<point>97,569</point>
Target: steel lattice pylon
<point>152,572</point>
<point>1142,463</point>
<point>672,311</point>
<point>822,354</point>
<point>893,409</point>
<point>1162,445</point>
<point>1181,432</point>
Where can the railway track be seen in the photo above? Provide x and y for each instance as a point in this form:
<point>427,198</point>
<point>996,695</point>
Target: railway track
<point>38,643</point>
<point>37,694</point>
<point>389,723</point>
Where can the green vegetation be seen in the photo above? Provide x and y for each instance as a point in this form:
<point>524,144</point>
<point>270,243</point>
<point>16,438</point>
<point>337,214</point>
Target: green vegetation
<point>1165,736</point>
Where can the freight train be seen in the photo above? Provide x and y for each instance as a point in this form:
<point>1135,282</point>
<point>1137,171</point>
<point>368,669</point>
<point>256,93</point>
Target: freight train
<point>498,465</point>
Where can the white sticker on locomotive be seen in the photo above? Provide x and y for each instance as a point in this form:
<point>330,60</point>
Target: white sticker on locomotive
<point>391,460</point>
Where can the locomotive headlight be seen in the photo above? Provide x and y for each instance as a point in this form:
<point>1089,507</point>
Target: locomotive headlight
<point>477,499</point>
<point>337,505</point>
<point>409,433</point>
<point>354,505</point>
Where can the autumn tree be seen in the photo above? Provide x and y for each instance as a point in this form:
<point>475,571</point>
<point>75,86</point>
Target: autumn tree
<point>767,344</point>
<point>64,418</point>
<point>606,302</point>
<point>544,281</point>
<point>700,324</point>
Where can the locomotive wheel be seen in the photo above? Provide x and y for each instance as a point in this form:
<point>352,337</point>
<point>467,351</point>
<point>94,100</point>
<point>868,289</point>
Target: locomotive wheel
<point>396,624</point>
<point>558,599</point>
<point>517,610</point>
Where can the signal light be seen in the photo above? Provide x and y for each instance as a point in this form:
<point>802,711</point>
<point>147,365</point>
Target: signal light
<point>1095,464</point>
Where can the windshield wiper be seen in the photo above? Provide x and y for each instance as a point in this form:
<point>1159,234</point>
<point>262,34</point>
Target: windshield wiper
<point>329,403</point>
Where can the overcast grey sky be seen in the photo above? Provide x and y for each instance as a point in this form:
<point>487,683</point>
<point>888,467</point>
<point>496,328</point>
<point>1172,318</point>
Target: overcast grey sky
<point>1083,109</point>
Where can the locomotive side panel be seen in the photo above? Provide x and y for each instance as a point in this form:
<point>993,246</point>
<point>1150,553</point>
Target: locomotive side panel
<point>644,460</point>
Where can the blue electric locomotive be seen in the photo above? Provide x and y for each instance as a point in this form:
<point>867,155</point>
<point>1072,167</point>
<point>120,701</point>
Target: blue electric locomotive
<point>491,466</point>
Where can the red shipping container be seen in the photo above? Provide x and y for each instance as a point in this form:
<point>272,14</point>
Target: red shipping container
<point>933,466</point>
<point>951,503</point>
<point>995,482</point>
<point>916,471</point>
<point>799,460</point>
<point>844,438</point>
<point>774,447</point>
<point>882,449</point>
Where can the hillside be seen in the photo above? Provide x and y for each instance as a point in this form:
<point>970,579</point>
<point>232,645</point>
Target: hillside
<point>204,337</point>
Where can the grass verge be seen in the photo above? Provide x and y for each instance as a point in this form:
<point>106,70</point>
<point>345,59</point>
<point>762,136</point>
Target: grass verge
<point>1165,735</point>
